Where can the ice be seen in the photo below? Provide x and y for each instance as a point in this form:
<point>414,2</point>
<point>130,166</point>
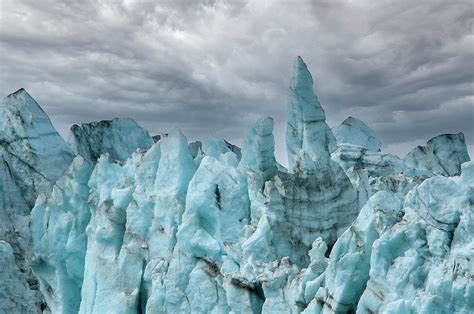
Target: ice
<point>313,276</point>
<point>119,138</point>
<point>35,152</point>
<point>15,295</point>
<point>349,263</point>
<point>365,168</point>
<point>59,240</point>
<point>140,224</point>
<point>212,146</point>
<point>398,183</point>
<point>442,155</point>
<point>316,198</point>
<point>110,191</point>
<point>371,171</point>
<point>309,140</point>
<point>174,173</point>
<point>217,208</point>
<point>404,257</point>
<point>353,131</point>
<point>32,157</point>
<point>258,164</point>
<point>259,150</point>
<point>14,211</point>
<point>423,263</point>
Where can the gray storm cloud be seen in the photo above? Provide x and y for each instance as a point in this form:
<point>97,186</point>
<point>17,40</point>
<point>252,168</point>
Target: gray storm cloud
<point>214,67</point>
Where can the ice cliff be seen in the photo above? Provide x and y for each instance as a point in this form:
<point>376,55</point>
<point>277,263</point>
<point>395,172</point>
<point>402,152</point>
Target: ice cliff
<point>128,223</point>
<point>442,155</point>
<point>32,157</point>
<point>118,137</point>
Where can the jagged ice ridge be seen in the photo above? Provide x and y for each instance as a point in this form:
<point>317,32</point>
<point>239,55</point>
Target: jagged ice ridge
<point>123,222</point>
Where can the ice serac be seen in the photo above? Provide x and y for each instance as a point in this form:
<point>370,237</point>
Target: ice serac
<point>413,257</point>
<point>217,208</point>
<point>369,170</point>
<point>136,209</point>
<point>353,131</point>
<point>32,156</point>
<point>14,212</point>
<point>111,190</point>
<point>376,164</point>
<point>259,165</point>
<point>15,295</point>
<point>199,228</point>
<point>309,140</point>
<point>212,146</point>
<point>59,241</point>
<point>176,167</point>
<point>316,198</point>
<point>34,151</point>
<point>175,170</point>
<point>349,263</point>
<point>259,150</point>
<point>442,155</point>
<point>424,263</point>
<point>217,211</point>
<point>119,138</point>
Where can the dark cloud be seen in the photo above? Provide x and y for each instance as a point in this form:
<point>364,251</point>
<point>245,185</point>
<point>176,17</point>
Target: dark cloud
<point>214,67</point>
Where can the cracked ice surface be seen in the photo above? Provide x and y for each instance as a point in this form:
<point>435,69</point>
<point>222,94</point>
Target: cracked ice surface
<point>32,157</point>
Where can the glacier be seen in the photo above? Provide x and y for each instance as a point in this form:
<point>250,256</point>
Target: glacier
<point>118,221</point>
<point>118,137</point>
<point>32,157</point>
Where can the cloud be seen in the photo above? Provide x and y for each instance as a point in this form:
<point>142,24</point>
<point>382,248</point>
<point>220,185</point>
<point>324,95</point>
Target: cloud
<point>214,67</point>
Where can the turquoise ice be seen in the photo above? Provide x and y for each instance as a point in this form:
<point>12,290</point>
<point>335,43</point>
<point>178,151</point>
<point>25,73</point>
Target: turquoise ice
<point>127,223</point>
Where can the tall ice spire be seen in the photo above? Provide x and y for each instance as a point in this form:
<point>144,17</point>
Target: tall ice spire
<point>309,140</point>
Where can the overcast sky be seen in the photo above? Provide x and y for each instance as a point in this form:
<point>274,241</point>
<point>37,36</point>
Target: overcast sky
<point>406,68</point>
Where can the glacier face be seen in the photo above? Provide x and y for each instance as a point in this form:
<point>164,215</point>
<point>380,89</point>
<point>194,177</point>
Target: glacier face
<point>60,222</point>
<point>15,295</point>
<point>118,137</point>
<point>134,224</point>
<point>442,155</point>
<point>36,154</point>
<point>32,157</point>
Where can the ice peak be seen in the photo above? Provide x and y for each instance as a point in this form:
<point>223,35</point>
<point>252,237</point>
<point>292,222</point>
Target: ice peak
<point>258,150</point>
<point>19,97</point>
<point>20,102</point>
<point>442,155</point>
<point>353,131</point>
<point>117,137</point>
<point>302,78</point>
<point>19,93</point>
<point>307,133</point>
<point>302,88</point>
<point>354,121</point>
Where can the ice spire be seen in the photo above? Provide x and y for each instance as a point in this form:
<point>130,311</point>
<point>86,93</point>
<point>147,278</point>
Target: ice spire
<point>308,138</point>
<point>258,150</point>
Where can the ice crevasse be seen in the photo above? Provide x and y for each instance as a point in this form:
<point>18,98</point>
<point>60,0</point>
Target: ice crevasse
<point>134,226</point>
